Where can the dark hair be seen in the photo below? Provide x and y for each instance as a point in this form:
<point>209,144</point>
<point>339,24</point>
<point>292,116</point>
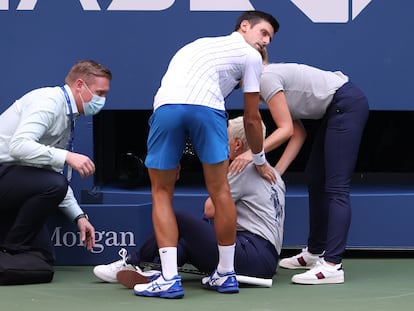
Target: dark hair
<point>255,17</point>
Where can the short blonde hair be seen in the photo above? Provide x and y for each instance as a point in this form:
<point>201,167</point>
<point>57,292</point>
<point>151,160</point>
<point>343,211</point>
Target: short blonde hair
<point>236,130</point>
<point>87,70</point>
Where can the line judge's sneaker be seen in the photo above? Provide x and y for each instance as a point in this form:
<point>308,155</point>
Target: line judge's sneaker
<point>322,273</point>
<point>223,283</point>
<point>304,260</point>
<point>107,273</point>
<point>161,287</point>
<point>130,278</point>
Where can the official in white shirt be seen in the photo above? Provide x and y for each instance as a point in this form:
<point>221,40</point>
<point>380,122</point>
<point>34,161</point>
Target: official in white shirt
<point>36,142</point>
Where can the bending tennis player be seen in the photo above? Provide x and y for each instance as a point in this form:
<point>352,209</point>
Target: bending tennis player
<point>260,218</point>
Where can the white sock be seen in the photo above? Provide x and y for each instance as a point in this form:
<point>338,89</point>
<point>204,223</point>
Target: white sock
<point>226,258</point>
<point>168,256</point>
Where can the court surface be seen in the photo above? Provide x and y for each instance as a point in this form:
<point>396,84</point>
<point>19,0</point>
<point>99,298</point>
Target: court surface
<point>370,284</point>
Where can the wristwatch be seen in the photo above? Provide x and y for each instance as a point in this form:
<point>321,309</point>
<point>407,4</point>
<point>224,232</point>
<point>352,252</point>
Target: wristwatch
<point>80,216</point>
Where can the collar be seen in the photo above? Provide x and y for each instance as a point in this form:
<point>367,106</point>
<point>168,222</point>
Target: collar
<point>238,35</point>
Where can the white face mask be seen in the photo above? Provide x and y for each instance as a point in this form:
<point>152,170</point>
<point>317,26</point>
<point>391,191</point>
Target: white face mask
<point>93,106</point>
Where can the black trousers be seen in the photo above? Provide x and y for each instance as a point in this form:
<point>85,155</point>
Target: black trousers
<point>28,196</point>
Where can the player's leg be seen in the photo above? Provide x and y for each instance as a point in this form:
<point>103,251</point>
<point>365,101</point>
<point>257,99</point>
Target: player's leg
<point>208,133</point>
<point>225,211</point>
<point>165,145</point>
<point>224,278</point>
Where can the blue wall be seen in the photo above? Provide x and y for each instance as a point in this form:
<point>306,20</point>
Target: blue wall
<point>39,44</point>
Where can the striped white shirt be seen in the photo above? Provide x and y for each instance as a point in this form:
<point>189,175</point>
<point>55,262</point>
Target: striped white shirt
<point>207,70</point>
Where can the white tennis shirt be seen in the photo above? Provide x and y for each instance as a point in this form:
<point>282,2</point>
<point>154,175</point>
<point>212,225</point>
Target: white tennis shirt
<point>207,70</point>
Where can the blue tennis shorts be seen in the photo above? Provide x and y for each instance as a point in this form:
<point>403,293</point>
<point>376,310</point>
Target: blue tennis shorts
<point>171,124</point>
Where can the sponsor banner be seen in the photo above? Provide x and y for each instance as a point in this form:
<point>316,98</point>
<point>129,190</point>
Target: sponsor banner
<point>116,227</point>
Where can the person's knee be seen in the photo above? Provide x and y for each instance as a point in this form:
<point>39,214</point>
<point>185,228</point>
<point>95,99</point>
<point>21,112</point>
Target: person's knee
<point>179,214</point>
<point>59,186</point>
<point>185,217</point>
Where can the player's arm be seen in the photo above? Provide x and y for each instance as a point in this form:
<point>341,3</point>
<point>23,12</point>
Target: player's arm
<point>254,135</point>
<point>242,160</point>
<point>252,122</point>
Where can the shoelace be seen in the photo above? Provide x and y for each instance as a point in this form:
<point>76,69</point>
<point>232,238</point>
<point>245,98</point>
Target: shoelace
<point>123,254</point>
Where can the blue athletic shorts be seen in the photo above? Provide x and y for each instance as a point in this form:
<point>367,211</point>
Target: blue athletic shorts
<point>170,125</point>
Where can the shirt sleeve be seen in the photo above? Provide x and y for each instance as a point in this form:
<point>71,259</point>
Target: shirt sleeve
<point>25,145</point>
<point>252,73</point>
<point>69,206</point>
<point>270,84</point>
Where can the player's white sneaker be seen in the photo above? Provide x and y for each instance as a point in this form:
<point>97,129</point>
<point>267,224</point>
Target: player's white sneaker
<point>161,287</point>
<point>322,273</point>
<point>107,273</point>
<point>223,283</point>
<point>304,260</point>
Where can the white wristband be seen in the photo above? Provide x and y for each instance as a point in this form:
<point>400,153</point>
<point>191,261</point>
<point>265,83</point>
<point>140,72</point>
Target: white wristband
<point>259,158</point>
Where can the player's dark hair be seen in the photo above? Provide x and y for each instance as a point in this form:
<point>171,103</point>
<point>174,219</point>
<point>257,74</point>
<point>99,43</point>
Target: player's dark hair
<point>255,17</point>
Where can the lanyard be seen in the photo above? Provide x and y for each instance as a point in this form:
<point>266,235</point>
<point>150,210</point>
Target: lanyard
<point>72,122</point>
<point>72,131</point>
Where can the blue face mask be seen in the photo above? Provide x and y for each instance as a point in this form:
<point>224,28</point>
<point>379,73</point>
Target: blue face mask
<point>93,106</point>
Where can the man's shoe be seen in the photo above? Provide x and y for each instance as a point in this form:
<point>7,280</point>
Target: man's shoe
<point>107,273</point>
<point>161,287</point>
<point>322,273</point>
<point>223,283</point>
<point>304,260</point>
<point>130,278</point>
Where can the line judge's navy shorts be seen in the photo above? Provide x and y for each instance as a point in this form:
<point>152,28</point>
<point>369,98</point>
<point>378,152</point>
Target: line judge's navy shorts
<point>171,124</point>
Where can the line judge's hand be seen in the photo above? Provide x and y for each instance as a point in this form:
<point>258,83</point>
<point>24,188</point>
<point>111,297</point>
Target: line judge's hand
<point>87,233</point>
